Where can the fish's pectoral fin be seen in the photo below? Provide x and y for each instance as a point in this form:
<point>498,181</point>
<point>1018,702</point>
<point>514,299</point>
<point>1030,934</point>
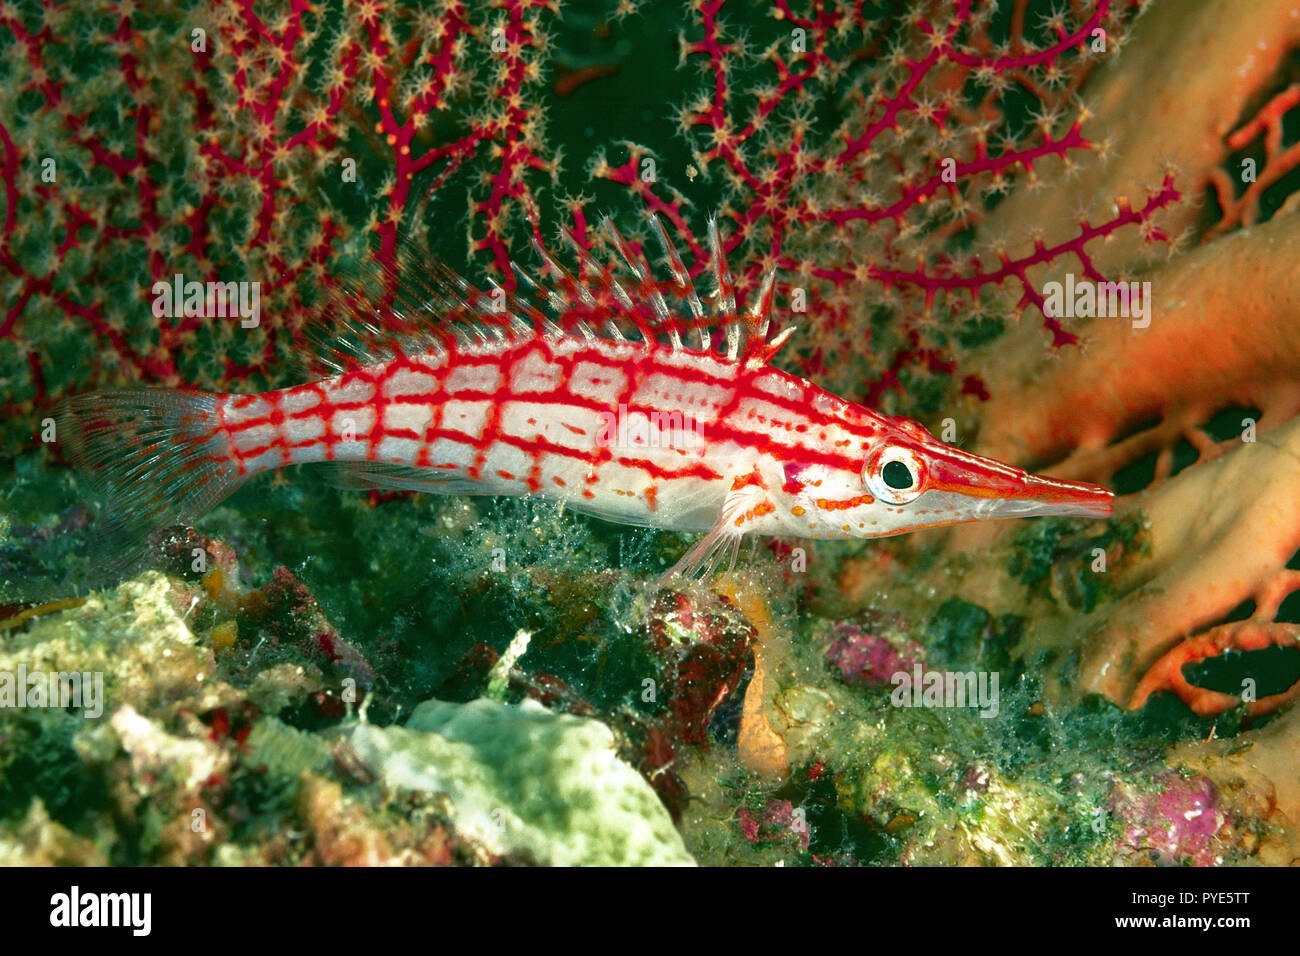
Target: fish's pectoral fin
<point>702,558</point>
<point>704,554</point>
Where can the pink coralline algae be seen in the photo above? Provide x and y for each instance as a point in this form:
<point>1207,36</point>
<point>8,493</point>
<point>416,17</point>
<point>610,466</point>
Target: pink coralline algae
<point>863,656</point>
<point>703,651</point>
<point>777,822</point>
<point>1176,825</point>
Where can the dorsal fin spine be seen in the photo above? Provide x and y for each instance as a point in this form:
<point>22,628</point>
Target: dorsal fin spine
<point>760,313</point>
<point>611,285</point>
<point>411,304</point>
<point>685,288</point>
<point>726,293</point>
<point>652,295</point>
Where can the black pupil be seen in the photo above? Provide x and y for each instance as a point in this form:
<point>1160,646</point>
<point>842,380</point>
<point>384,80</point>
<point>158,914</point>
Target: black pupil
<point>896,475</point>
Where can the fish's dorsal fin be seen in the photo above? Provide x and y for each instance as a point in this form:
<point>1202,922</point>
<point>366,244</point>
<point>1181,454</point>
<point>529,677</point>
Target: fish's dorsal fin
<point>404,303</point>
<point>408,302</point>
<point>668,310</point>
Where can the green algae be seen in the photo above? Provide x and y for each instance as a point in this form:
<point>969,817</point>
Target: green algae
<point>1071,558</point>
<point>1033,786</point>
<point>957,630</point>
<point>416,584</point>
<point>900,785</point>
<point>601,810</point>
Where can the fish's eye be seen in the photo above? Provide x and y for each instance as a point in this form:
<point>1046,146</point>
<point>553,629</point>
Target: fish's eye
<point>895,474</point>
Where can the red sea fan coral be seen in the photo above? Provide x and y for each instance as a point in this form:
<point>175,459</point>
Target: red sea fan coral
<point>233,141</point>
<point>864,156</point>
<point>855,153</point>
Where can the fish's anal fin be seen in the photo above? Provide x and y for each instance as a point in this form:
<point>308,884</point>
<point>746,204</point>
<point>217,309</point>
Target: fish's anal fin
<point>701,559</point>
<point>393,476</point>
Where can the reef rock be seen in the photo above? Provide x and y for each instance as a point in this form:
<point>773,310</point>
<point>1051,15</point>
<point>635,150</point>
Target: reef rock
<point>526,782</point>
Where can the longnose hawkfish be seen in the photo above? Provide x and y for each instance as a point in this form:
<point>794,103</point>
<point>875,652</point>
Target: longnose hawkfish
<point>578,387</point>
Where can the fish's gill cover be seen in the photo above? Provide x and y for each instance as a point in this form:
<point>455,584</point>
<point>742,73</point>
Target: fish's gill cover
<point>852,147</point>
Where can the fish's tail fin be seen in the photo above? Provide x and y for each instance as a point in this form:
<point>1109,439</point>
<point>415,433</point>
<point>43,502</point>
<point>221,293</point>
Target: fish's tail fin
<point>157,457</point>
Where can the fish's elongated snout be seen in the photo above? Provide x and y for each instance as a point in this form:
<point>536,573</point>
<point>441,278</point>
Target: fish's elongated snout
<point>994,489</point>
<point>1041,496</point>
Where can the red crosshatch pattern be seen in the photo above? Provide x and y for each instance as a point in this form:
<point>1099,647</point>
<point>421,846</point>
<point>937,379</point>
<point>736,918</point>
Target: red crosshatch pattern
<point>444,394</point>
<point>541,405</point>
